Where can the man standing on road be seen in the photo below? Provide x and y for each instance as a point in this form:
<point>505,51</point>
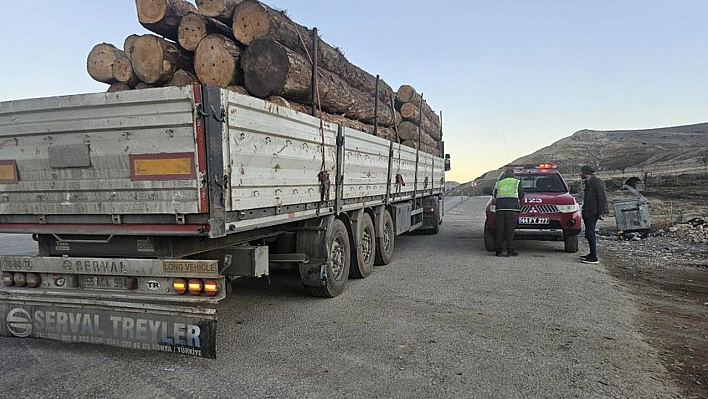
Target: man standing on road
<point>507,192</point>
<point>594,206</point>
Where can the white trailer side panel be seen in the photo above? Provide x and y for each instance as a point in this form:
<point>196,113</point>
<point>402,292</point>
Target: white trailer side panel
<point>112,126</point>
<point>365,165</point>
<point>274,154</point>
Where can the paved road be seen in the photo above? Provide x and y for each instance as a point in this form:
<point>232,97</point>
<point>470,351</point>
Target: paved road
<point>443,320</point>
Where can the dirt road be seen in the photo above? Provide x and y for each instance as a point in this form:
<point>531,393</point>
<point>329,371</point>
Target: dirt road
<point>443,320</point>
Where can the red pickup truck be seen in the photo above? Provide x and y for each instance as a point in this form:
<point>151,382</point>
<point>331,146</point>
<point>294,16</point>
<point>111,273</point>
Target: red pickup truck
<point>549,211</point>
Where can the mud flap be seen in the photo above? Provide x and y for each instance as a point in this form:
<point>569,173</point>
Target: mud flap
<point>164,328</point>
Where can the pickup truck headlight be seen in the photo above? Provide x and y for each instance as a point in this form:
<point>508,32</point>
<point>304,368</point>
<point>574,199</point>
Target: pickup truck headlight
<point>493,208</point>
<point>568,208</point>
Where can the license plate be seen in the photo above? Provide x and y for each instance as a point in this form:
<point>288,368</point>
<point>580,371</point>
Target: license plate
<point>530,220</point>
<point>104,282</point>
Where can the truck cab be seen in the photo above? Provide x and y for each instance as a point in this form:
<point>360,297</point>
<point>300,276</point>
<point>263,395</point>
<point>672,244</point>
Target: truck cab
<point>549,212</point>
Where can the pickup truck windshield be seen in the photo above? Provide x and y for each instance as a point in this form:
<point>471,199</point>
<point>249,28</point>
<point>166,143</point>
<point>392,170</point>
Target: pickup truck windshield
<point>543,183</point>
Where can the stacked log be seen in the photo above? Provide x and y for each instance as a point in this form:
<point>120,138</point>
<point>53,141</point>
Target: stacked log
<point>252,49</point>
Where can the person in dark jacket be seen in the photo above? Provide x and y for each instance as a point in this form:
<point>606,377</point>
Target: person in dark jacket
<point>594,206</point>
<point>507,193</point>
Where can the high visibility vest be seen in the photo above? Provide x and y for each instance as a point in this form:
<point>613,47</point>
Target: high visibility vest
<point>507,194</point>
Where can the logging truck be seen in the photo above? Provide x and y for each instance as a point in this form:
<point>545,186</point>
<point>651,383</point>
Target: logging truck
<point>147,204</point>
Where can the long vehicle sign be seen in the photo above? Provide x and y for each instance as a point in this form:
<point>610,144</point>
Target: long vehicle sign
<point>190,335</point>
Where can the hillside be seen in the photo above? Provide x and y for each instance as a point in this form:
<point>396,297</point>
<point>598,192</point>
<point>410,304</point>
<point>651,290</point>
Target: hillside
<point>657,152</point>
<point>662,150</point>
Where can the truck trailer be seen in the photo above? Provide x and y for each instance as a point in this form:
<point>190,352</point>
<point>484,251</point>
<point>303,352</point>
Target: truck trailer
<point>147,204</point>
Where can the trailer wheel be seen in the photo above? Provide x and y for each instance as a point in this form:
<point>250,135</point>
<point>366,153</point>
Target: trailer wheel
<point>366,248</point>
<point>338,262</point>
<point>571,244</point>
<point>489,240</point>
<point>384,244</point>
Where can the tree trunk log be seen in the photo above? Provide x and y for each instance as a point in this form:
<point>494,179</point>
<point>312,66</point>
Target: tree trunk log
<point>194,27</point>
<point>163,16</point>
<point>183,78</point>
<point>223,10</point>
<point>155,60</point>
<point>384,132</point>
<point>217,61</point>
<point>407,94</point>
<point>143,85</point>
<point>272,69</point>
<point>117,86</point>
<point>99,63</point>
<point>239,90</point>
<point>253,19</point>
<point>128,45</point>
<point>409,131</point>
<point>123,71</point>
<point>411,113</point>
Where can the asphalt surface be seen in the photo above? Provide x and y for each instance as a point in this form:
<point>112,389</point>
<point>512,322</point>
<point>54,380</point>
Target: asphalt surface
<point>444,320</point>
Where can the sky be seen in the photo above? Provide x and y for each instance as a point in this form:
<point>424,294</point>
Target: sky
<point>510,76</point>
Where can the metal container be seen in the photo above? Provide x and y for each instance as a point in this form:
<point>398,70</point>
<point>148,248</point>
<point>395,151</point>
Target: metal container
<point>632,215</point>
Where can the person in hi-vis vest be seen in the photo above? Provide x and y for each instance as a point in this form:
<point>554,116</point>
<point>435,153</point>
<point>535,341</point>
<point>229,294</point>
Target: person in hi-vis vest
<point>507,193</point>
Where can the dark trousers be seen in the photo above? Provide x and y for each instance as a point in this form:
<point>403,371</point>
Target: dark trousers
<point>505,224</point>
<point>590,223</point>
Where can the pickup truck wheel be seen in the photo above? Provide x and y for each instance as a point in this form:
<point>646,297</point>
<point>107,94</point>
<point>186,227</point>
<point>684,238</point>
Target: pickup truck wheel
<point>366,248</point>
<point>338,262</point>
<point>489,240</point>
<point>571,244</point>
<point>384,244</point>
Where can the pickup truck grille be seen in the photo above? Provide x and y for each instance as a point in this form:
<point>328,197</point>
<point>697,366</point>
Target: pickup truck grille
<point>539,208</point>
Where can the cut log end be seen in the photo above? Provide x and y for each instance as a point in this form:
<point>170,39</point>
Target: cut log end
<point>99,63</point>
<point>117,86</point>
<point>220,9</point>
<point>406,93</point>
<point>216,61</point>
<point>250,21</point>
<point>151,11</point>
<point>128,45</point>
<point>183,78</point>
<point>192,29</point>
<point>265,66</point>
<point>123,71</point>
<point>148,57</point>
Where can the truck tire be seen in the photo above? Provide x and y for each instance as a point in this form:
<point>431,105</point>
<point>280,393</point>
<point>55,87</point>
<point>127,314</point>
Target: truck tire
<point>338,262</point>
<point>365,247</point>
<point>384,244</point>
<point>489,240</point>
<point>571,244</point>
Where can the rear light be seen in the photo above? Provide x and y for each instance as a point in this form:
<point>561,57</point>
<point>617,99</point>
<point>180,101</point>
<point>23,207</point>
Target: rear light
<point>19,279</point>
<point>211,287</point>
<point>7,278</point>
<point>34,280</point>
<point>180,286</point>
<point>546,166</point>
<point>195,286</point>
<point>8,172</point>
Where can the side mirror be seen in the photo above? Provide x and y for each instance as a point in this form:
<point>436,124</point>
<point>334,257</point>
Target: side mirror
<point>574,188</point>
<point>487,191</point>
<point>447,162</point>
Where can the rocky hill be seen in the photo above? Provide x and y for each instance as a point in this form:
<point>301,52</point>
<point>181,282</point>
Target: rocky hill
<point>668,149</point>
<point>656,152</point>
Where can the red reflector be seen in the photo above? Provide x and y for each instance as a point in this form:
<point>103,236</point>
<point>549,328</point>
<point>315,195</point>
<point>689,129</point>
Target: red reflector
<point>211,287</point>
<point>8,172</point>
<point>34,280</point>
<point>175,166</point>
<point>195,286</point>
<point>180,286</point>
<point>7,278</point>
